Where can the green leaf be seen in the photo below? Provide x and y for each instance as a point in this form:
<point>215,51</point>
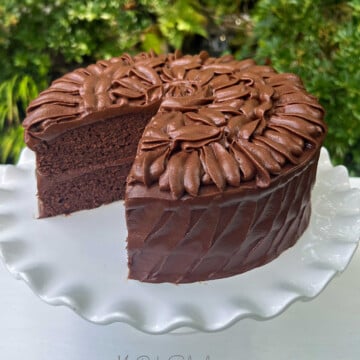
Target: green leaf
<point>152,41</point>
<point>11,144</point>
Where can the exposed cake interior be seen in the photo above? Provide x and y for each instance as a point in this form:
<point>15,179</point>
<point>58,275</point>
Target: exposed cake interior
<point>87,166</point>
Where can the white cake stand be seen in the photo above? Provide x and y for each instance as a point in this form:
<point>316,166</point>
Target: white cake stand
<point>80,260</point>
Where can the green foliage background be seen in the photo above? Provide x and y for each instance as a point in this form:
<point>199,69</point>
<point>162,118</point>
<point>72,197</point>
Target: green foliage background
<point>318,39</point>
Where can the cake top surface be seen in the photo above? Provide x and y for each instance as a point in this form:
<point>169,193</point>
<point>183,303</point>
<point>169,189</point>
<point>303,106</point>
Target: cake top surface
<point>219,121</point>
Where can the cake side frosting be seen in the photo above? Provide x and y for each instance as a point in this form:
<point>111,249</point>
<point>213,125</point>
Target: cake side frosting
<point>220,121</point>
<point>218,235</point>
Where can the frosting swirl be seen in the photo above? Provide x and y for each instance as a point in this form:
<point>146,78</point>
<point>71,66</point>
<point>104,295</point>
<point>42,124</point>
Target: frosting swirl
<point>219,121</point>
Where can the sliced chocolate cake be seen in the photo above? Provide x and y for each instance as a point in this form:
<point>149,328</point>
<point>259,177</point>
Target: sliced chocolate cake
<point>214,157</point>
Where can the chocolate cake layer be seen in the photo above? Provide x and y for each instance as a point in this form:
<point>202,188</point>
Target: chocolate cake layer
<point>87,166</point>
<point>82,191</point>
<point>104,142</point>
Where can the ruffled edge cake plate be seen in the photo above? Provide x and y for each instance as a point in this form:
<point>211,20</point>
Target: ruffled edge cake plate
<point>80,260</point>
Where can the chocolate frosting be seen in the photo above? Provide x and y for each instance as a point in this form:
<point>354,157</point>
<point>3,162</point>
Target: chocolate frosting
<point>219,121</point>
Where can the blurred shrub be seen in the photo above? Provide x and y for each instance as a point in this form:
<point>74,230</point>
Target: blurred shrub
<point>319,40</point>
<point>15,94</point>
<point>43,39</point>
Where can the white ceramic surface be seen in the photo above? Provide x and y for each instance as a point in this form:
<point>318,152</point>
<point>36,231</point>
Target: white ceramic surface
<point>80,260</point>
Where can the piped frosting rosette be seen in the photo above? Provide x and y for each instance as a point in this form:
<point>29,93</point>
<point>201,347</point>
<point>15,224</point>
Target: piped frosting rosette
<point>219,121</point>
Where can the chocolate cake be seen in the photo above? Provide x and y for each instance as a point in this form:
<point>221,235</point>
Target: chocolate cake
<point>214,157</point>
